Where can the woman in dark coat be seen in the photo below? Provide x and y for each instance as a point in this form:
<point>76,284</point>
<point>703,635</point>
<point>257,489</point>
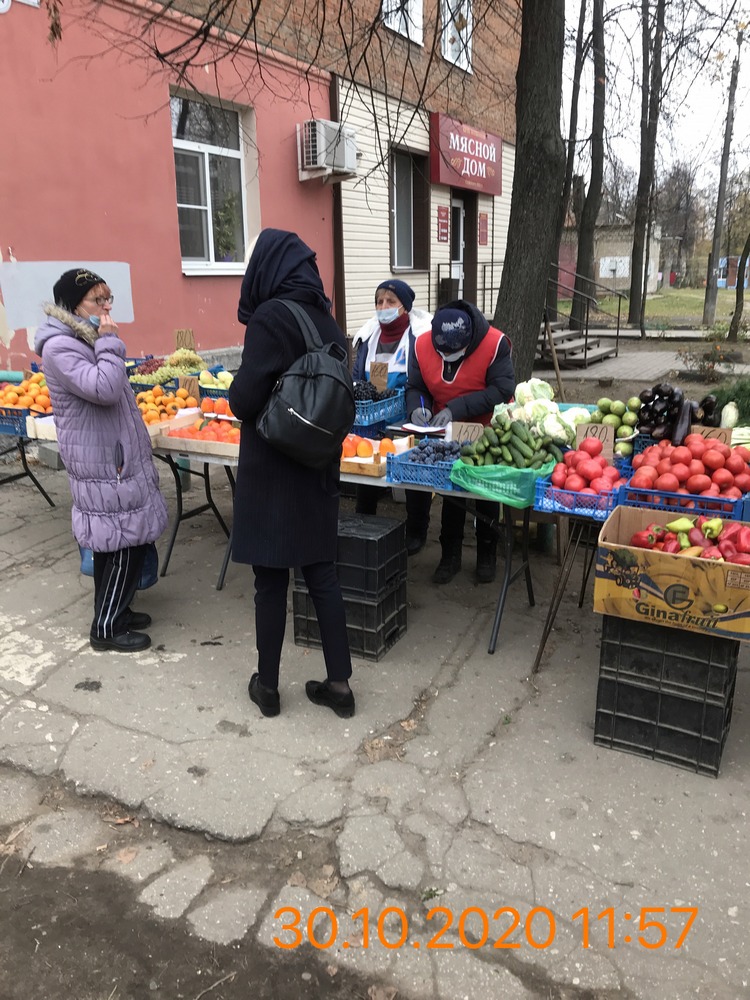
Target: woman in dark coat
<point>285,514</point>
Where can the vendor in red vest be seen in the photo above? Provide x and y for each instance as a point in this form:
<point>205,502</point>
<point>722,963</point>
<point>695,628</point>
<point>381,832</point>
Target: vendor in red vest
<point>461,372</point>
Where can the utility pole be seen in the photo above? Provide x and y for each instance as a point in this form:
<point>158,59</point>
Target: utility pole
<point>709,304</point>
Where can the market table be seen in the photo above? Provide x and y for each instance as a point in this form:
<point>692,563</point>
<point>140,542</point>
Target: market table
<point>20,444</point>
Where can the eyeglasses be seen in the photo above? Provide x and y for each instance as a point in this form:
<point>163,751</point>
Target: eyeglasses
<point>102,300</point>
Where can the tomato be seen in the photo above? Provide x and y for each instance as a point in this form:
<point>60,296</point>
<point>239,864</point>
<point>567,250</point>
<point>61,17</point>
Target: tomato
<point>664,444</point>
<point>649,471</point>
<point>603,463</point>
<point>652,454</point>
<point>664,466</point>
<point>696,448</point>
<point>732,492</point>
<point>697,468</point>
<point>589,468</point>
<point>681,471</point>
<point>569,458</point>
<point>694,439</point>
<point>722,448</point>
<point>591,445</point>
<point>713,459</point>
<point>722,478</point>
<point>697,484</point>
<point>742,452</point>
<point>735,463</point>
<point>712,491</point>
<point>611,473</point>
<point>641,482</point>
<point>561,467</point>
<point>742,482</point>
<point>587,491</point>
<point>681,454</point>
<point>575,483</point>
<point>637,461</point>
<point>601,485</point>
<point>667,482</point>
<point>558,479</point>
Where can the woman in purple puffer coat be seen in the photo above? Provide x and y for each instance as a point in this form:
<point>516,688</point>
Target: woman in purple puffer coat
<point>117,507</point>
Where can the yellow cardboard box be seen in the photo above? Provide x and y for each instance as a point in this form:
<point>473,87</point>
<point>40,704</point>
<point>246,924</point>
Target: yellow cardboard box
<point>700,595</point>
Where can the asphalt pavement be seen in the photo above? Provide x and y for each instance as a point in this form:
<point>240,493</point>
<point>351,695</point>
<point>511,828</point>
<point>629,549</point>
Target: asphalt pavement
<point>464,786</point>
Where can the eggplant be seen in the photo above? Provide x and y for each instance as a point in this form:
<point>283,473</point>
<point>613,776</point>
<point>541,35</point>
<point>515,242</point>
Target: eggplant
<point>659,408</point>
<point>645,428</point>
<point>697,414</point>
<point>678,396</point>
<point>682,425</point>
<point>708,404</point>
<point>647,396</point>
<point>712,419</point>
<point>664,389</point>
<point>673,411</point>
<point>659,432</point>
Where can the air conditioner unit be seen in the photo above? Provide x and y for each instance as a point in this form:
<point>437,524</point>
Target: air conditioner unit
<point>328,147</point>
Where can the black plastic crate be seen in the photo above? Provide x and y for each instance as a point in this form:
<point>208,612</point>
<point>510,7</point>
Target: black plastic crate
<point>371,556</point>
<point>683,663</point>
<point>372,626</point>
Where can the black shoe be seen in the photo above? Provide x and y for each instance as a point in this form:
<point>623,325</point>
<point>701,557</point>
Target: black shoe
<point>320,693</point>
<point>414,542</point>
<point>138,620</point>
<point>486,564</point>
<point>267,699</point>
<point>125,642</point>
<point>450,563</point>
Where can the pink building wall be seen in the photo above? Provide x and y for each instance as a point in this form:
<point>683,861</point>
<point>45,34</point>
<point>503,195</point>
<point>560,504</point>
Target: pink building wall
<point>87,170</point>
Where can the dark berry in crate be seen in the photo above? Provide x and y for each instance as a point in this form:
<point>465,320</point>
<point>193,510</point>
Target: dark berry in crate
<point>430,452</point>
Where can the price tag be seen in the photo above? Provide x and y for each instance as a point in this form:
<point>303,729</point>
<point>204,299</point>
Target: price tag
<point>184,338</point>
<point>459,431</point>
<point>191,383</point>
<point>379,375</point>
<point>604,432</point>
<point>721,434</point>
<point>27,373</point>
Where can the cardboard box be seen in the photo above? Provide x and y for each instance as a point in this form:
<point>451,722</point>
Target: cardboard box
<point>699,595</point>
<point>190,446</point>
<point>41,428</point>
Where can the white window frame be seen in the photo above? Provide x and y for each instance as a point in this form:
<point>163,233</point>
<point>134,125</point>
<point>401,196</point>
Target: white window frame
<point>457,41</point>
<point>404,17</point>
<point>213,267</point>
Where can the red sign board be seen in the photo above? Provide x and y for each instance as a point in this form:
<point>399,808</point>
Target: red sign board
<point>464,157</point>
<point>484,224</point>
<point>444,219</point>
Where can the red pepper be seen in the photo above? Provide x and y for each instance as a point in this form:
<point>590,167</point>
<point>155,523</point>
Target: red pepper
<point>730,531</point>
<point>658,546</point>
<point>712,552</point>
<point>644,539</point>
<point>742,541</point>
<point>670,537</point>
<point>727,548</point>
<point>696,537</point>
<point>671,545</point>
<point>658,530</point>
<point>702,518</point>
<point>741,558</point>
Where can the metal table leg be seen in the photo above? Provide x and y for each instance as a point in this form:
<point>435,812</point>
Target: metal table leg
<point>509,575</point>
<point>21,445</point>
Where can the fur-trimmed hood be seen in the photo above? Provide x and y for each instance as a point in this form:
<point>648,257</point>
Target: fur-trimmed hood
<point>66,324</point>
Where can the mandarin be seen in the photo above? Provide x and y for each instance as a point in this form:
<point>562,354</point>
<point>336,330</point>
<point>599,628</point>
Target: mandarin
<point>364,448</point>
<point>386,446</point>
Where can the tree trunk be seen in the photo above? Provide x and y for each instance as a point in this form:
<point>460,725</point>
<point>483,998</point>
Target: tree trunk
<point>537,182</point>
<point>584,285</point>
<point>650,106</point>
<point>739,301</point>
<point>553,289</point>
<point>709,304</point>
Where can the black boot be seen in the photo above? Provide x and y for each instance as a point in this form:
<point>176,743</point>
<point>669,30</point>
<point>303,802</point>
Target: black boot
<point>450,561</point>
<point>486,560</point>
<point>416,537</point>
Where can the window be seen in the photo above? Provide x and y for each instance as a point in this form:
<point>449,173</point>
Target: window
<point>210,182</point>
<point>404,17</point>
<point>410,205</point>
<point>458,25</point>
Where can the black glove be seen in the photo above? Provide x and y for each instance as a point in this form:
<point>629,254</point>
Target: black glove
<point>421,416</point>
<point>442,419</point>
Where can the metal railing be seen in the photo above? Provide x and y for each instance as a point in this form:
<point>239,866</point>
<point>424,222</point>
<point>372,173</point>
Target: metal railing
<point>590,305</point>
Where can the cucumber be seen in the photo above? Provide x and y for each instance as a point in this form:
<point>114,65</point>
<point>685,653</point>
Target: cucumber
<point>522,446</point>
<point>554,452</point>
<point>467,450</point>
<point>521,431</point>
<point>489,458</point>
<point>480,447</point>
<point>518,459</point>
<point>467,459</point>
<point>495,451</point>
<point>536,464</point>
<point>505,437</point>
<point>491,437</point>
<point>505,452</point>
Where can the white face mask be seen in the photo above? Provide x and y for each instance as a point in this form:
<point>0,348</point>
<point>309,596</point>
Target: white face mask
<point>456,356</point>
<point>386,316</point>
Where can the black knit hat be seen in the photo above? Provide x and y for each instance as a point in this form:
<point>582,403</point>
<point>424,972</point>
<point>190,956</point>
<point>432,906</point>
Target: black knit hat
<point>403,292</point>
<point>71,288</point>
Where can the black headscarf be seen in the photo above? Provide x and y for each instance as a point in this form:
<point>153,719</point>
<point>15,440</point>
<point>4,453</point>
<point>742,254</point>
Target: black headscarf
<point>281,266</point>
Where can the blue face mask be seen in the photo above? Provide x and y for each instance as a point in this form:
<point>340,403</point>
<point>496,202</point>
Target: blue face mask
<point>386,316</point>
<point>94,321</point>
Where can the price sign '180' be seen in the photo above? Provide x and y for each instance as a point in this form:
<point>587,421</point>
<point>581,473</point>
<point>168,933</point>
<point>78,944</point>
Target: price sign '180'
<point>604,432</point>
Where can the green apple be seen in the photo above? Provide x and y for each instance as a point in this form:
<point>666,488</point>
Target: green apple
<point>604,404</point>
<point>596,417</point>
<point>611,420</point>
<point>630,418</point>
<point>623,431</point>
<point>618,407</point>
<point>634,404</point>
<point>624,448</point>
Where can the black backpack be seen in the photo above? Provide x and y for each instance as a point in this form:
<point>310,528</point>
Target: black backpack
<point>311,408</point>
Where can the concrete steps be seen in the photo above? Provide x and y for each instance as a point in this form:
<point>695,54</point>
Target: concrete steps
<point>570,347</point>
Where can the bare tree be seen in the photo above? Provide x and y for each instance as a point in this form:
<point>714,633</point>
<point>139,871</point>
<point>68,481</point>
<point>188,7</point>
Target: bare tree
<point>540,165</point>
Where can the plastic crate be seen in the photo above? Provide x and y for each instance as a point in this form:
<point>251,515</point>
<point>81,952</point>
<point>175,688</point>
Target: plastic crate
<point>550,499</point>
<point>641,442</point>
<point>13,420</point>
<point>689,503</point>
<point>370,430</point>
<point>400,470</point>
<point>213,393</point>
<point>391,410</point>
<point>373,627</point>
<point>134,362</point>
<point>137,387</point>
<point>562,407</point>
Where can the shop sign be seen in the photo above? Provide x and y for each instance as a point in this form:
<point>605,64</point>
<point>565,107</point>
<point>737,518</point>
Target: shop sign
<point>443,219</point>
<point>484,229</point>
<point>464,157</point>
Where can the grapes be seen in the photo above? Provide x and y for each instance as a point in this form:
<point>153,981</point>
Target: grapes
<point>149,366</point>
<point>365,392</point>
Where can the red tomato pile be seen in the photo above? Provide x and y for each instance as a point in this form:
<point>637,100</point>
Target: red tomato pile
<point>586,472</point>
<point>699,467</point>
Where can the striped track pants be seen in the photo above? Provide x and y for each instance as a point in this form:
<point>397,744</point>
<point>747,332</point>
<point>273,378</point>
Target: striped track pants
<point>116,576</point>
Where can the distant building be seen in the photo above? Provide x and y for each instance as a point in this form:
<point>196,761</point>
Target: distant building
<point>728,267</point>
<point>613,245</point>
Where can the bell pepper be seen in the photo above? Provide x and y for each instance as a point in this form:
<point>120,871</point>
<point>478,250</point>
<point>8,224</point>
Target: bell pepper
<point>702,518</point>
<point>681,524</point>
<point>712,528</point>
<point>671,545</point>
<point>643,539</point>
<point>670,537</point>
<point>697,537</point>
<point>657,529</point>
<point>742,541</point>
<point>727,548</point>
<point>694,552</point>
<point>658,546</point>
<point>730,531</point>
<point>682,538</point>
<point>740,558</point>
<point>712,552</point>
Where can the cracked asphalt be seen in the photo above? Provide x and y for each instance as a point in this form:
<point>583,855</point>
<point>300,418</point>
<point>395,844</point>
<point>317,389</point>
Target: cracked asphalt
<point>461,836</point>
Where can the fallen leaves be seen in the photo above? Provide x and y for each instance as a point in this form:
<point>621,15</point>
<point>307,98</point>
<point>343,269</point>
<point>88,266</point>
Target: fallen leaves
<point>382,993</point>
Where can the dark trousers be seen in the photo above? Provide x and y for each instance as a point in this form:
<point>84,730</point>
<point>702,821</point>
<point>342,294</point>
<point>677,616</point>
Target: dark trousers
<point>116,576</point>
<point>417,506</point>
<point>454,517</point>
<point>271,587</point>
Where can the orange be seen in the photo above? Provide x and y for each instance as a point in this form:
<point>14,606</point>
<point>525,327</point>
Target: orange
<point>11,397</point>
<point>25,400</point>
<point>36,408</point>
<point>386,446</point>
<point>36,377</point>
<point>364,448</point>
<point>43,400</point>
